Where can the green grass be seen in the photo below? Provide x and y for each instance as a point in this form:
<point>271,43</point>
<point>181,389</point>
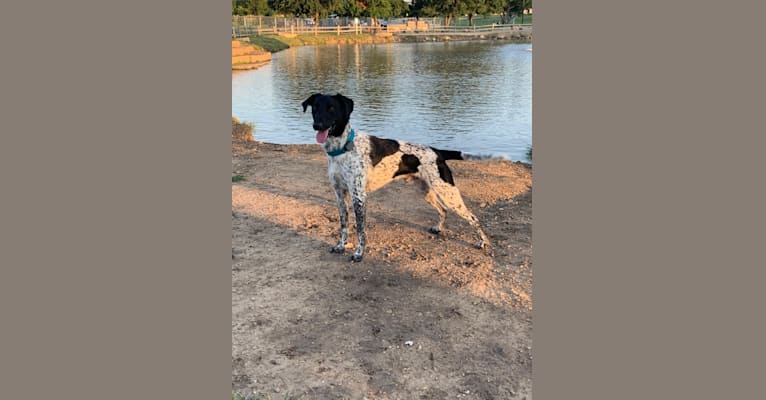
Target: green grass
<point>274,43</point>
<point>529,153</point>
<point>269,43</point>
<point>237,178</point>
<point>325,38</point>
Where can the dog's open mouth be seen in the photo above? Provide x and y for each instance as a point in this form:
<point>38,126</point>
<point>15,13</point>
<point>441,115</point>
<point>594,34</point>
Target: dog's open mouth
<point>322,135</point>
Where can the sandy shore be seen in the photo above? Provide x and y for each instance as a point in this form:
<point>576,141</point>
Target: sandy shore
<point>310,324</point>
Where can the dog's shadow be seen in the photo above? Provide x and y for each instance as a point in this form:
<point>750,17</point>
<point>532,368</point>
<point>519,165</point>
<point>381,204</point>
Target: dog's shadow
<point>400,196</point>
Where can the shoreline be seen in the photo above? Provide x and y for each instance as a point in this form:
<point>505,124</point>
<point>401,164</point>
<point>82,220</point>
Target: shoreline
<point>274,43</point>
<point>475,157</point>
<point>376,38</point>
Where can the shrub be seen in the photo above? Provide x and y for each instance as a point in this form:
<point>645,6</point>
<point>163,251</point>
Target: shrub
<point>241,131</point>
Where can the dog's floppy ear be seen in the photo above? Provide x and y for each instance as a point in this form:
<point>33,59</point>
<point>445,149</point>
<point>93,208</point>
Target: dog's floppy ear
<point>310,101</point>
<point>348,104</point>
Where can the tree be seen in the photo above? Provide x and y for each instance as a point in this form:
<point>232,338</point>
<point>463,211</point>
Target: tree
<point>433,8</point>
<point>250,7</point>
<point>351,8</point>
<point>453,8</point>
<point>259,7</point>
<point>482,7</point>
<point>239,7</point>
<point>384,8</point>
<point>314,8</point>
<point>424,8</point>
<point>321,8</point>
<point>518,7</point>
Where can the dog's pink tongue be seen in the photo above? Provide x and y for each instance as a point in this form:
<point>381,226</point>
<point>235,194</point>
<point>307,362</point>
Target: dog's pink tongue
<point>322,135</point>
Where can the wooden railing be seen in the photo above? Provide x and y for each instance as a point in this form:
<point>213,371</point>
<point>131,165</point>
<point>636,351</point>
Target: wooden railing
<point>244,26</point>
<point>244,31</point>
<point>526,29</point>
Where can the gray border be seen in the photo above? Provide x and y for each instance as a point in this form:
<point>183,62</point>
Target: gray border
<point>648,195</point>
<point>116,201</point>
<point>648,200</point>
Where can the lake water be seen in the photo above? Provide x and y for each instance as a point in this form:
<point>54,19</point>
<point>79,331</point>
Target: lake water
<point>474,97</point>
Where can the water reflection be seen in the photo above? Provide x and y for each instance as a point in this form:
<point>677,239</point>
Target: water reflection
<point>471,96</point>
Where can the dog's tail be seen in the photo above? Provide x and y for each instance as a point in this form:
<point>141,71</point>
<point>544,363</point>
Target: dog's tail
<point>459,155</point>
<point>448,154</point>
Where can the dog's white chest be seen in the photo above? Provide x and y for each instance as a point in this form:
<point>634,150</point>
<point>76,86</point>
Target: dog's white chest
<point>341,171</point>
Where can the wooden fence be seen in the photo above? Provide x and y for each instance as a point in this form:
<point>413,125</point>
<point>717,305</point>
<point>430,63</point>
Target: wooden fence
<point>245,31</point>
<point>525,29</point>
<point>244,26</point>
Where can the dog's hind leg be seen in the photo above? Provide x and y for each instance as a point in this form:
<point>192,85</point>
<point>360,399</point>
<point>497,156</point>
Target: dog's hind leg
<point>340,196</point>
<point>433,200</point>
<point>449,196</point>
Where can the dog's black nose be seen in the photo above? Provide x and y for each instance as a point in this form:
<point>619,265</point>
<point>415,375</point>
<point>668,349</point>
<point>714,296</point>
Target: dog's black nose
<point>318,127</point>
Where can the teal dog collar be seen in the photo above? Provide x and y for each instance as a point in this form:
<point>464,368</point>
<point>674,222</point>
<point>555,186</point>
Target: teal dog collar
<point>343,149</point>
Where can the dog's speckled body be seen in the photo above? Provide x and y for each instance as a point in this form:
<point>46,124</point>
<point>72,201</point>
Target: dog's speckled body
<point>368,163</point>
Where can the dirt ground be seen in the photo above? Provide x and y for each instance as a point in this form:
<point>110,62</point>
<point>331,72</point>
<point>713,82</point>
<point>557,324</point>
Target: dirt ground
<point>423,316</point>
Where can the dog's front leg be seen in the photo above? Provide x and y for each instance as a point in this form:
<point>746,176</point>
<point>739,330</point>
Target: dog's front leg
<point>340,196</point>
<point>358,198</point>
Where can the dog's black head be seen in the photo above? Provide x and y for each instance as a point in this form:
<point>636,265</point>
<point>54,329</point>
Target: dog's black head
<point>331,114</point>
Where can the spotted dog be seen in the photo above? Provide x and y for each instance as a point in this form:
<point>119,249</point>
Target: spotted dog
<point>359,164</point>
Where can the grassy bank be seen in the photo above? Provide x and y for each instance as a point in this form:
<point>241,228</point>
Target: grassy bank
<point>274,43</point>
<point>270,43</point>
<point>241,131</point>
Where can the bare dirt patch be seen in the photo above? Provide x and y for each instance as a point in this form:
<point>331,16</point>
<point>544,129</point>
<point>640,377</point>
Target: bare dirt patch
<point>422,317</point>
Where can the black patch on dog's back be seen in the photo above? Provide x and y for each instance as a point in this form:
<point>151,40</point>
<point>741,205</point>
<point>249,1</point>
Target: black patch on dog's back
<point>408,165</point>
<point>380,148</point>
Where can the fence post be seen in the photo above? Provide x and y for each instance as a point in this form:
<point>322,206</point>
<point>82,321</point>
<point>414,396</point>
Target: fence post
<point>338,26</point>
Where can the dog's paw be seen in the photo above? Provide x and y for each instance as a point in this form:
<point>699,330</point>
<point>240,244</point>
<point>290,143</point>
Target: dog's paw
<point>435,230</point>
<point>356,257</point>
<point>338,249</point>
<point>483,245</point>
